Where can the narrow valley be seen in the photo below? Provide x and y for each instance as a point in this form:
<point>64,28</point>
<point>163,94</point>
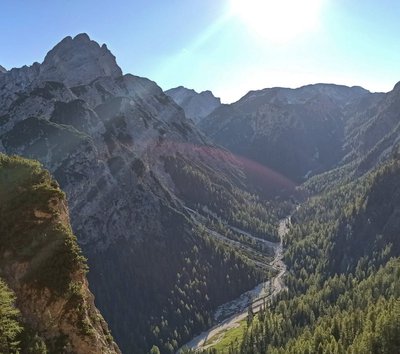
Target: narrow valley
<point>253,300</point>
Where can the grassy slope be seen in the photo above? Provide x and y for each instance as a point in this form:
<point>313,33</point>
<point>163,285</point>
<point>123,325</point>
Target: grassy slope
<point>26,189</point>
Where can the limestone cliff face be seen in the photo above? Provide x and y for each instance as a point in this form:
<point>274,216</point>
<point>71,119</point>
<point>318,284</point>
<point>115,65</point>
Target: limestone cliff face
<point>90,126</point>
<point>78,60</point>
<point>42,264</point>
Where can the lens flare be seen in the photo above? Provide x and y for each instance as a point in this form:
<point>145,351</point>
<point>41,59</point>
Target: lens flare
<point>278,20</point>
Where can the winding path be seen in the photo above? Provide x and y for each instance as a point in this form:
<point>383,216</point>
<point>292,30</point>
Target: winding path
<point>257,296</point>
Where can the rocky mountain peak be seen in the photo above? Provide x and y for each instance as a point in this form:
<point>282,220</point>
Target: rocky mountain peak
<point>396,87</point>
<point>196,105</point>
<point>79,60</point>
<point>207,93</point>
<point>2,69</point>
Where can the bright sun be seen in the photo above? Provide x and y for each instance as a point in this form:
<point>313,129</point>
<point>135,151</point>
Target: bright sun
<point>278,20</point>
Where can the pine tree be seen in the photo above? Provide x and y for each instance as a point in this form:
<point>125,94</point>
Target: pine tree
<point>9,325</point>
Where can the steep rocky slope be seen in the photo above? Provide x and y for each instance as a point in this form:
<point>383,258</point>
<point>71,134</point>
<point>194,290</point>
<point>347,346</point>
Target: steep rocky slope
<point>372,137</point>
<point>298,132</point>
<point>196,105</point>
<point>2,69</point>
<point>43,266</point>
<point>378,133</point>
<point>128,160</point>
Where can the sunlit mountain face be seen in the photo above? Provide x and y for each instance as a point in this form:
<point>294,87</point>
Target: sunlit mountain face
<point>144,186</point>
<point>214,178</point>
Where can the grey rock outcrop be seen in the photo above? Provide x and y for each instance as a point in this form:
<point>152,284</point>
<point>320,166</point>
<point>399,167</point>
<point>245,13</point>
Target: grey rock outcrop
<point>72,62</point>
<point>78,60</point>
<point>196,105</point>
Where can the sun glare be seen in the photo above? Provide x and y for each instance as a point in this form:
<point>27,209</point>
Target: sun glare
<point>278,20</point>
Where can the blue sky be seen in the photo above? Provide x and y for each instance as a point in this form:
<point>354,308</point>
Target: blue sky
<point>210,44</point>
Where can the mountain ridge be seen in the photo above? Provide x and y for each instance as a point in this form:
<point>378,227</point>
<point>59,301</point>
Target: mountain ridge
<point>307,126</point>
<point>196,105</point>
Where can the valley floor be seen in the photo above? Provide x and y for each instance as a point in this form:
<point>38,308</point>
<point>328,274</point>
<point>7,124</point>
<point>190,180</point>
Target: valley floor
<point>238,309</point>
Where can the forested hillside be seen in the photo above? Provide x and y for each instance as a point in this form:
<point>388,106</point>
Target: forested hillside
<point>342,251</point>
<point>344,274</point>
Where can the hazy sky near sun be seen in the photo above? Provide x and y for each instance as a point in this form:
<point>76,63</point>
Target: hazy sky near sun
<point>227,46</point>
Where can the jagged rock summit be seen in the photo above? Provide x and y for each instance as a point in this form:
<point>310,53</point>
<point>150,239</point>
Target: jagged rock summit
<point>196,105</point>
<point>2,69</point>
<point>78,60</point>
<point>73,61</point>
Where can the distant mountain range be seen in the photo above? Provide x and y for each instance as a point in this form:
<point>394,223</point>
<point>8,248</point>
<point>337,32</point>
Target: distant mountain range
<point>299,132</point>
